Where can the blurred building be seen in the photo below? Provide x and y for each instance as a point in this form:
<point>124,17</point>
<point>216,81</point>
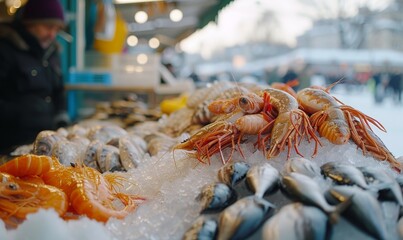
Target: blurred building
<point>367,30</point>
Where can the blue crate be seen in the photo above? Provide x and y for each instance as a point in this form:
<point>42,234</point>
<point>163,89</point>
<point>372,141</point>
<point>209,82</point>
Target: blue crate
<point>90,77</point>
<point>85,77</point>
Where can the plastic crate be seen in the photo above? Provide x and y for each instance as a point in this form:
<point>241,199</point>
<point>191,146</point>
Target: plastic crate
<point>90,77</point>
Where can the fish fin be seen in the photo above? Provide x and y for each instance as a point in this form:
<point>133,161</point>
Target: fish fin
<point>340,208</point>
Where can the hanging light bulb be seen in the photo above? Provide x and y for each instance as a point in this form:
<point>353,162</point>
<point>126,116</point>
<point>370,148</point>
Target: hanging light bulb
<point>132,40</point>
<point>176,15</point>
<point>154,43</point>
<point>141,17</point>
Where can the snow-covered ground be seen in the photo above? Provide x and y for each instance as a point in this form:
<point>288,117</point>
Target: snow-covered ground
<point>388,113</point>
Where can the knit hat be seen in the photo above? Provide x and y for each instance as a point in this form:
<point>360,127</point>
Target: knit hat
<point>43,11</point>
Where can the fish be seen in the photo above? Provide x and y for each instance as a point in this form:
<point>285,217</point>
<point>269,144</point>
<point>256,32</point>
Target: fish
<point>244,217</point>
<point>233,173</point>
<point>302,165</point>
<point>262,178</point>
<point>387,186</point>
<point>105,133</point>
<point>344,174</point>
<point>203,228</point>
<point>90,156</point>
<point>45,141</point>
<point>108,158</point>
<point>302,188</point>
<point>297,221</point>
<point>216,196</point>
<point>67,152</point>
<point>129,154</point>
<point>364,211</point>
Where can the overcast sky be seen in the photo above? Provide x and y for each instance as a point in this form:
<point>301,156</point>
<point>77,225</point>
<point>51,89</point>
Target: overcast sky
<point>237,21</point>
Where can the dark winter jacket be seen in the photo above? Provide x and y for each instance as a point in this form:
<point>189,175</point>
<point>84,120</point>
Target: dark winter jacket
<point>31,86</point>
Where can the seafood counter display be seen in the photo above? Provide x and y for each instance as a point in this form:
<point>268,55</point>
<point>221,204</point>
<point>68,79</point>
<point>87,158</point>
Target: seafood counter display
<point>239,161</point>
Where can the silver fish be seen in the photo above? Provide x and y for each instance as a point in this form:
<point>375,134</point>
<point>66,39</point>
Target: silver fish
<point>243,218</point>
<point>105,133</point>
<point>45,141</point>
<point>129,154</point>
<point>67,152</point>
<point>365,212</point>
<point>296,221</point>
<point>387,185</point>
<point>306,190</point>
<point>108,158</point>
<point>216,196</point>
<point>202,229</point>
<point>262,178</point>
<point>302,165</point>
<point>344,174</point>
<point>232,173</point>
<point>90,156</point>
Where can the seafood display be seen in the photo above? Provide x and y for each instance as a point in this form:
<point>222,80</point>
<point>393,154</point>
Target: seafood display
<point>253,160</point>
<point>281,120</point>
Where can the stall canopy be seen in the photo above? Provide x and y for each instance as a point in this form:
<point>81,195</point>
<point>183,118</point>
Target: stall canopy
<point>195,15</point>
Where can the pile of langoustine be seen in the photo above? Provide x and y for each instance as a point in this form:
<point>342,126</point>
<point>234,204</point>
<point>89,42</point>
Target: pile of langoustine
<point>32,182</point>
<point>281,118</point>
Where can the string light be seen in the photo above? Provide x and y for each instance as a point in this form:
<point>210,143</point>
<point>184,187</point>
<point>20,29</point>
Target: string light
<point>132,40</point>
<point>154,43</point>
<point>176,15</point>
<point>141,17</point>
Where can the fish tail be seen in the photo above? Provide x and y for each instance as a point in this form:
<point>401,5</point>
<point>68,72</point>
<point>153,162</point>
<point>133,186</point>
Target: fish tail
<point>334,216</point>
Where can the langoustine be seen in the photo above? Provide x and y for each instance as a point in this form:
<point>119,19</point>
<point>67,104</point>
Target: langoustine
<point>339,123</point>
<point>273,113</point>
<point>238,116</point>
<point>291,124</point>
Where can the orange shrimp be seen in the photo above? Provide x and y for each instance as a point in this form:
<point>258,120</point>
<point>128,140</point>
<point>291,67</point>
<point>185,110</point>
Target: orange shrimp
<point>91,194</point>
<point>290,125</point>
<point>19,198</point>
<point>230,128</point>
<point>327,116</point>
<point>339,123</point>
<point>85,189</point>
<point>29,165</point>
<point>204,141</point>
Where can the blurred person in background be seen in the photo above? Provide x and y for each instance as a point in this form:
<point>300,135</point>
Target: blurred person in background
<point>32,96</point>
<point>395,84</point>
<point>289,76</point>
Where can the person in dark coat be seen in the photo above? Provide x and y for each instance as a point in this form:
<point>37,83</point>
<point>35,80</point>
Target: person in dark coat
<point>32,96</point>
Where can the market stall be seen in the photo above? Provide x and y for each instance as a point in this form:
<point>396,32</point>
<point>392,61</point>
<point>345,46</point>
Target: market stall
<point>180,175</point>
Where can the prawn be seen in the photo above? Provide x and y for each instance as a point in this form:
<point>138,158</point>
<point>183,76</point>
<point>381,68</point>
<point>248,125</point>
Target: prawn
<point>231,127</point>
<point>290,124</point>
<point>19,198</point>
<point>339,123</point>
<point>209,140</point>
<point>86,190</point>
<point>91,194</point>
<point>29,165</point>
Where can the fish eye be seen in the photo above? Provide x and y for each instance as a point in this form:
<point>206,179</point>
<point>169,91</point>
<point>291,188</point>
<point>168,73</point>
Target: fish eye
<point>243,100</point>
<point>12,186</point>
